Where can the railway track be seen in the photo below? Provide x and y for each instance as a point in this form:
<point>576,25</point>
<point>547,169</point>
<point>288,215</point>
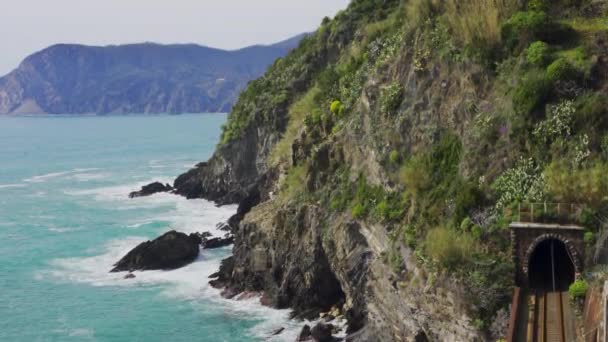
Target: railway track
<point>549,318</point>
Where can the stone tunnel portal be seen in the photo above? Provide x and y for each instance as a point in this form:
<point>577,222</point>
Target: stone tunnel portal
<point>551,267</point>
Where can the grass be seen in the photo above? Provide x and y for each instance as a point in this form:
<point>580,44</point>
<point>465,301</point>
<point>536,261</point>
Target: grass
<point>587,25</point>
<point>297,113</point>
<point>449,247</point>
<point>471,21</point>
<point>295,182</point>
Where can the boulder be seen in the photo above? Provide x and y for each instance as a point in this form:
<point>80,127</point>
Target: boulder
<point>169,251</point>
<point>151,189</point>
<point>278,331</point>
<point>129,276</point>
<point>322,332</point>
<point>305,334</point>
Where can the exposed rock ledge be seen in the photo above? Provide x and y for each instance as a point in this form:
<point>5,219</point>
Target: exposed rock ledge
<point>151,189</point>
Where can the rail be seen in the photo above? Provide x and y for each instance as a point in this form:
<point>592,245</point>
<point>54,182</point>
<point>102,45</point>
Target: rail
<point>545,212</point>
<point>542,317</point>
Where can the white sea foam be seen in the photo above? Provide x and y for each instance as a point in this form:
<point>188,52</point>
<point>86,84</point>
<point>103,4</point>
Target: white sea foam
<point>85,177</point>
<point>61,229</point>
<point>189,283</point>
<point>52,175</point>
<point>8,186</point>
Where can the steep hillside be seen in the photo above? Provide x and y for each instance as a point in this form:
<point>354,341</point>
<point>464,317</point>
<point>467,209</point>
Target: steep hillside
<point>376,164</point>
<point>138,78</point>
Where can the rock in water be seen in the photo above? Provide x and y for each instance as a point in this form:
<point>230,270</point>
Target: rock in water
<point>305,334</point>
<point>170,251</point>
<point>322,332</point>
<point>151,189</point>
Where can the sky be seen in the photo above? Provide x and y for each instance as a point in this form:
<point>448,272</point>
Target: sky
<point>27,26</point>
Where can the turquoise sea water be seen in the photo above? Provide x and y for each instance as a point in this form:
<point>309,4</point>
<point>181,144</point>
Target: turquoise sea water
<point>65,218</point>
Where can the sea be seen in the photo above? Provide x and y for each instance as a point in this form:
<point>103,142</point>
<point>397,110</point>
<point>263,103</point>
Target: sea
<point>65,218</point>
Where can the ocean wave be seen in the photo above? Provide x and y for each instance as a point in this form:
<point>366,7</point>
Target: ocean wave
<point>52,175</point>
<point>8,186</point>
<point>189,283</point>
<point>61,229</point>
<point>85,177</point>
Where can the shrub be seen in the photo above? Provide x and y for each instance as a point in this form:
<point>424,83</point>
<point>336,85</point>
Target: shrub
<point>560,70</point>
<point>524,182</point>
<point>558,124</point>
<point>358,211</point>
<point>394,157</point>
<point>523,27</point>
<point>391,98</point>
<point>337,108</point>
<point>588,237</point>
<point>586,185</point>
<point>415,175</point>
<point>532,93</point>
<point>578,289</point>
<point>537,5</point>
<point>295,181</point>
<point>538,53</point>
<point>448,247</point>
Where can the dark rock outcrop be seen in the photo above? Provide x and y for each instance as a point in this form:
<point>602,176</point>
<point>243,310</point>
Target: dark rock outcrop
<point>151,189</point>
<point>169,251</point>
<point>322,332</point>
<point>214,243</point>
<point>305,334</point>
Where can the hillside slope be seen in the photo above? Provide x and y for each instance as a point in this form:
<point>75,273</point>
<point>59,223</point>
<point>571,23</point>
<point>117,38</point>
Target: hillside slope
<point>137,78</point>
<point>376,164</point>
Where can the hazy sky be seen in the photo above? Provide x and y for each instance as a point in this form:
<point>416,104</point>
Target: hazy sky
<point>27,26</point>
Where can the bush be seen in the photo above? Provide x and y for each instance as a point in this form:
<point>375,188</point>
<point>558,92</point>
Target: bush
<point>532,93</point>
<point>522,183</point>
<point>391,98</point>
<point>585,185</point>
<point>538,53</point>
<point>394,157</point>
<point>337,108</point>
<point>558,124</point>
<point>523,27</point>
<point>578,289</point>
<point>560,70</point>
<point>537,5</point>
<point>448,247</point>
<point>588,237</point>
<point>358,211</point>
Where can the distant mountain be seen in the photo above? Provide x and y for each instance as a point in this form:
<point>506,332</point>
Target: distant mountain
<point>136,78</point>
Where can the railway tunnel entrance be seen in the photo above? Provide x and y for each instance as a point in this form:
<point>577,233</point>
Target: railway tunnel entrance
<point>548,255</point>
<point>551,267</point>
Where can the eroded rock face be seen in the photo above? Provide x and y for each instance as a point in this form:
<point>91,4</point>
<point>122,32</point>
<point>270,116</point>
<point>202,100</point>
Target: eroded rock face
<point>169,251</point>
<point>151,189</point>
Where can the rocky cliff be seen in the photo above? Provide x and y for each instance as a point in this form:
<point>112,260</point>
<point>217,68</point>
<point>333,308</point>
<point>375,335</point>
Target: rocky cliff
<point>138,78</point>
<point>375,165</point>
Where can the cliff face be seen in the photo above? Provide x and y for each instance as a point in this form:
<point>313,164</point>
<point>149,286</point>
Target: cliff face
<point>373,164</point>
<point>139,78</point>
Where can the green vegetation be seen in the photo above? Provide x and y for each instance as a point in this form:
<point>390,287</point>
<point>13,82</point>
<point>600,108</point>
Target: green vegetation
<point>297,113</point>
<point>532,94</point>
<point>538,53</point>
<point>433,126</point>
<point>578,289</point>
<point>337,108</point>
<point>559,70</point>
<point>524,27</point>
<point>391,98</point>
<point>449,247</point>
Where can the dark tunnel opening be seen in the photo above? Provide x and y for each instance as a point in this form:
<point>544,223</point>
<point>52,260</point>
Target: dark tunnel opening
<point>550,267</point>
